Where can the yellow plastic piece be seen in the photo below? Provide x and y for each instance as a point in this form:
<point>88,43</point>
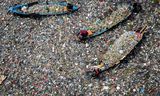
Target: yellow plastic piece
<point>100,65</point>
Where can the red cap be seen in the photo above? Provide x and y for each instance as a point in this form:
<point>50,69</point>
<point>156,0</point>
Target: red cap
<point>84,33</point>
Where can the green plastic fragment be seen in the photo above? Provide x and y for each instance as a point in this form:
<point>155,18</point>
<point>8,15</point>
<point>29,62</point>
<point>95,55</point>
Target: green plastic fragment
<point>90,28</point>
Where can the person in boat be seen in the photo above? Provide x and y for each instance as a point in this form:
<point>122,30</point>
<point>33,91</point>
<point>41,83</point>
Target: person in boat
<point>84,34</point>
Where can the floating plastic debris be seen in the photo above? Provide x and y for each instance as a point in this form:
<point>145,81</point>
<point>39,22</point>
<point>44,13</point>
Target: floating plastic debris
<point>43,9</point>
<point>2,78</point>
<point>120,49</point>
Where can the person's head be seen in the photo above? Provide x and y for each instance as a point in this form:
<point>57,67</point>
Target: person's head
<point>95,72</point>
<point>82,34</point>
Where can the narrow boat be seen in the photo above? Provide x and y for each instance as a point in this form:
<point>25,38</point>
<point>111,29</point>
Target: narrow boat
<point>119,50</point>
<point>122,13</point>
<point>43,9</point>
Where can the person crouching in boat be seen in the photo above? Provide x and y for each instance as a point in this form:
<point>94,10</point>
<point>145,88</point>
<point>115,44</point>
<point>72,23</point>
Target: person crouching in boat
<point>83,34</point>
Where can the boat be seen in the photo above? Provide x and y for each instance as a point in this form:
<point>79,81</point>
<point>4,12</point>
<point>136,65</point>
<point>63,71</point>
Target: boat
<point>119,50</point>
<point>121,14</point>
<point>43,9</point>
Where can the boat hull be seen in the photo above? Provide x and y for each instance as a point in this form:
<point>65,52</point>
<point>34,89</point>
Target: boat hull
<point>108,24</point>
<point>16,9</point>
<point>119,50</point>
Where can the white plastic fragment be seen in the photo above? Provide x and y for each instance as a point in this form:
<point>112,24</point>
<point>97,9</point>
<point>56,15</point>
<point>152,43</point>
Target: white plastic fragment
<point>2,78</point>
<point>105,88</point>
<point>120,51</point>
<point>118,87</point>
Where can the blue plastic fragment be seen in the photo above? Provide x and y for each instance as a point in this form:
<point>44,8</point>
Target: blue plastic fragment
<point>141,90</point>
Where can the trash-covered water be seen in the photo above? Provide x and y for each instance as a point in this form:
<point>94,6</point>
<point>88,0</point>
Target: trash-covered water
<point>42,57</point>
